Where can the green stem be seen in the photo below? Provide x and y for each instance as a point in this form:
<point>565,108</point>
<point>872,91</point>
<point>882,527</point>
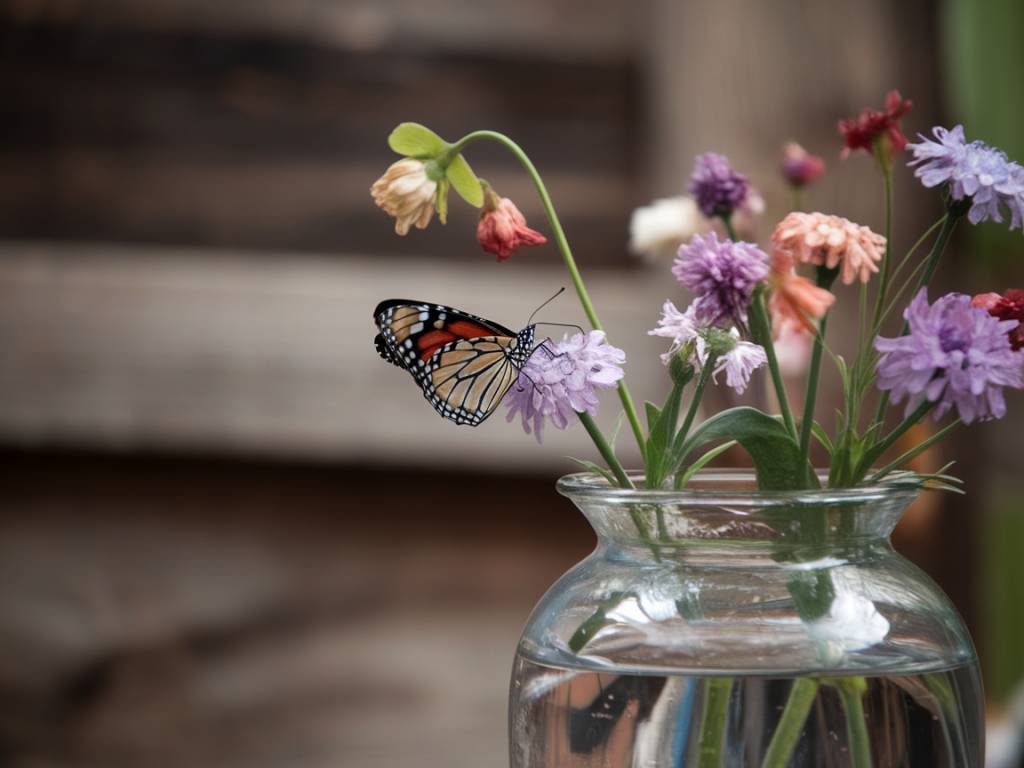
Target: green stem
<point>563,247</point>
<point>787,732</point>
<point>713,721</point>
<point>954,214</point>
<point>605,450</point>
<point>883,282</point>
<point>698,395</point>
<point>760,328</point>
<point>730,230</point>
<point>881,447</point>
<point>851,692</point>
<point>825,279</point>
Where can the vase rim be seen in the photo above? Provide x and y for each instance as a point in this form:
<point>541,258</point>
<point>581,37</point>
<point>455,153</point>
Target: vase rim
<point>736,487</point>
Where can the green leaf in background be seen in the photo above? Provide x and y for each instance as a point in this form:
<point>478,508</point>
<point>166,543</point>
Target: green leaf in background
<point>777,458</point>
<point>662,432</point>
<point>415,140</point>
<point>465,181</point>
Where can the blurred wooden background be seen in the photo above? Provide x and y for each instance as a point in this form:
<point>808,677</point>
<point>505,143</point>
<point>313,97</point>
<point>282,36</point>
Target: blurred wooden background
<point>230,536</point>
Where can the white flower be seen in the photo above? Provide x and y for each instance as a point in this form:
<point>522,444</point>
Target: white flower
<point>681,327</point>
<point>407,193</point>
<point>741,361</point>
<point>852,623</point>
<point>793,351</point>
<point>657,230</point>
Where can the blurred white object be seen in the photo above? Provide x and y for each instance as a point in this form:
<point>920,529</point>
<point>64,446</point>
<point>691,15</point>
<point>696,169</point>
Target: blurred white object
<point>657,230</point>
<point>793,350</point>
<point>1004,739</point>
<point>851,624</point>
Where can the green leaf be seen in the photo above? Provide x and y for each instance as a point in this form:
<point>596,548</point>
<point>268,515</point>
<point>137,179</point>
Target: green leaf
<point>660,438</point>
<point>465,182</point>
<point>415,140</point>
<point>591,466</point>
<point>777,458</point>
<point>442,201</point>
<point>913,452</point>
<point>653,412</point>
<point>819,432</point>
<point>699,464</point>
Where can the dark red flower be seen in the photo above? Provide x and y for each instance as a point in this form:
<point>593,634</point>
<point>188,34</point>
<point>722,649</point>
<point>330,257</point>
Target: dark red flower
<point>502,228</point>
<point>1009,306</point>
<point>871,125</point>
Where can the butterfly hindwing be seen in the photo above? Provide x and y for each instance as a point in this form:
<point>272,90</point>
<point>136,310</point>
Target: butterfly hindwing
<point>464,364</point>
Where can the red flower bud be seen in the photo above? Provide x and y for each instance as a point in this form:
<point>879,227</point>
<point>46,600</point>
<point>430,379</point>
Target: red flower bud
<point>502,228</point>
<point>870,126</point>
<point>1009,306</point>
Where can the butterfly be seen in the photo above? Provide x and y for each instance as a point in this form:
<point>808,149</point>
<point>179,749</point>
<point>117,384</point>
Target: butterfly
<point>463,363</point>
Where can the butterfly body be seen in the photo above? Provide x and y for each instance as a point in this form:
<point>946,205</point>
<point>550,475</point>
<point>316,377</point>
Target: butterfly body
<point>464,364</point>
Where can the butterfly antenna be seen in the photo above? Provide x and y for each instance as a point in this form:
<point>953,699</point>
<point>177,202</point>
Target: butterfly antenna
<point>565,325</point>
<point>558,293</point>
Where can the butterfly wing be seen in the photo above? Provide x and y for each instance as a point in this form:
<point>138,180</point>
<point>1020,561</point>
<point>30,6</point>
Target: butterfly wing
<point>464,364</point>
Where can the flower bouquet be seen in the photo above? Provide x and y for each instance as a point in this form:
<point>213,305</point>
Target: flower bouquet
<point>739,618</point>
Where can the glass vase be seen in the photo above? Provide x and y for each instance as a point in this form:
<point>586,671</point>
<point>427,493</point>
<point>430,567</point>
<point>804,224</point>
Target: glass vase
<point>724,626</point>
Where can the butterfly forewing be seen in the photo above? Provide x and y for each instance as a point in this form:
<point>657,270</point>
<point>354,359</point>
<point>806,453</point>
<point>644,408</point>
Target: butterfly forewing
<point>464,364</point>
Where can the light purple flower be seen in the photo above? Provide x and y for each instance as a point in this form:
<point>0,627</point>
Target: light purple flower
<point>717,187</point>
<point>561,379</point>
<point>722,274</point>
<point>739,361</point>
<point>681,327</point>
<point>972,170</point>
<point>954,354</point>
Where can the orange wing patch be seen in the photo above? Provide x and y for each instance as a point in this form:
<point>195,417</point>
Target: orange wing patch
<point>431,341</point>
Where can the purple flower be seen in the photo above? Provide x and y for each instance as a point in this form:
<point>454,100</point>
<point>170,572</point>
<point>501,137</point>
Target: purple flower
<point>739,360</point>
<point>739,363</point>
<point>718,189</point>
<point>561,379</point>
<point>954,354</point>
<point>722,274</point>
<point>972,170</point>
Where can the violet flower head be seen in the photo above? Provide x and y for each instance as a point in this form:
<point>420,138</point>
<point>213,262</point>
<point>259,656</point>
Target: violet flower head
<point>718,189</point>
<point>722,274</point>
<point>561,379</point>
<point>954,354</point>
<point>972,170</point>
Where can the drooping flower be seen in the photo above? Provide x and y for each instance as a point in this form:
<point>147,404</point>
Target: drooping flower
<point>739,363</point>
<point>657,230</point>
<point>723,274</point>
<point>739,359</point>
<point>972,170</point>
<point>1009,306</point>
<point>681,327</point>
<point>954,355</point>
<point>871,126</point>
<point>502,228</point>
<point>832,241</point>
<point>717,187</point>
<point>562,379</point>
<point>407,193</point>
<point>800,167</point>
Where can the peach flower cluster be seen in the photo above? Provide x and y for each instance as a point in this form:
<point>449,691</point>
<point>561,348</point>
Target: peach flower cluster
<point>795,301</point>
<point>831,241</point>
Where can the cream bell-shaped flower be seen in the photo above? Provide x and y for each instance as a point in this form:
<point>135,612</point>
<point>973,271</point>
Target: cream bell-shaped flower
<point>832,241</point>
<point>657,230</point>
<point>407,193</point>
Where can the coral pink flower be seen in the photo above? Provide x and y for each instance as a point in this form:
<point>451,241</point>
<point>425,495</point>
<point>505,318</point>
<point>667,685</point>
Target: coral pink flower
<point>871,125</point>
<point>800,167</point>
<point>502,228</point>
<point>832,241</point>
<point>1009,306</point>
<point>795,301</point>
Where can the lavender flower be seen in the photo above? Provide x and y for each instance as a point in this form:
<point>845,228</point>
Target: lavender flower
<point>954,354</point>
<point>718,188</point>
<point>561,379</point>
<point>973,170</point>
<point>739,363</point>
<point>739,359</point>
<point>722,274</point>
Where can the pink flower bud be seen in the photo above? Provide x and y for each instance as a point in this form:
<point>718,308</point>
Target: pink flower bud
<point>800,167</point>
<point>502,228</point>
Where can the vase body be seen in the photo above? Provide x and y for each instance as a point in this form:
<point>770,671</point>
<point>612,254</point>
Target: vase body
<point>721,626</point>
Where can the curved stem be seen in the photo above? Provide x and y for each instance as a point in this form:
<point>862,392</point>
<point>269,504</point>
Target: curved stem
<point>605,450</point>
<point>883,282</point>
<point>563,247</point>
<point>787,732</point>
<point>953,216</point>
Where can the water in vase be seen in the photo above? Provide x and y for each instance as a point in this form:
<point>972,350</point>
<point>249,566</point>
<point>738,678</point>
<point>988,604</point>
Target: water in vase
<point>599,718</point>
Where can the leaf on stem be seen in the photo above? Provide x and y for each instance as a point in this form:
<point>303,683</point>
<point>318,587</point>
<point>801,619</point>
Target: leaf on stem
<point>465,182</point>
<point>415,140</point>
